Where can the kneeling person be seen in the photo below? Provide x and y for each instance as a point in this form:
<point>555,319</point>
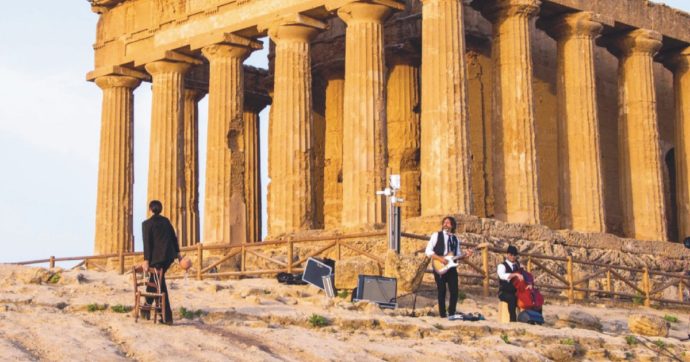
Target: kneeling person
<point>507,271</point>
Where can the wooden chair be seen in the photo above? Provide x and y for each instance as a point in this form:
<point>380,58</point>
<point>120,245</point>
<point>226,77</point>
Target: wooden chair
<point>142,279</point>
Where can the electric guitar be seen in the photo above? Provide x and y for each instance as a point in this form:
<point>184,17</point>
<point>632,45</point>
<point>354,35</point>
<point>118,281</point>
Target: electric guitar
<point>441,268</point>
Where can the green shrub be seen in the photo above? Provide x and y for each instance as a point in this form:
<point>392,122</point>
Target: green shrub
<point>568,342</point>
<point>95,307</point>
<point>343,293</point>
<point>504,337</point>
<point>638,299</point>
<point>190,314</point>
<point>317,320</point>
<point>631,340</point>
<point>54,278</point>
<point>461,296</point>
<point>660,344</point>
<point>671,318</point>
<point>119,308</point>
<point>438,326</point>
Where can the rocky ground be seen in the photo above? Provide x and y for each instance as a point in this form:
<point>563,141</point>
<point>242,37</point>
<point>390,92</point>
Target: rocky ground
<point>49,317</point>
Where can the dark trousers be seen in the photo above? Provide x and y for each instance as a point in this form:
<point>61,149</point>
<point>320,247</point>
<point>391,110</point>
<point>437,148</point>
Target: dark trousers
<point>164,289</point>
<point>511,299</point>
<point>450,278</point>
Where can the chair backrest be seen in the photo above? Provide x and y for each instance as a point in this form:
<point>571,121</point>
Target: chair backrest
<point>140,278</point>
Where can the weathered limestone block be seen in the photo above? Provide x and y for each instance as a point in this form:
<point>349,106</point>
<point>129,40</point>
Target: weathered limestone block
<point>581,188</point>
<point>404,131</point>
<point>407,269</point>
<point>166,152</point>
<point>291,172</point>
<point>191,163</point>
<point>648,325</point>
<point>445,158</point>
<point>680,65</point>
<point>333,163</point>
<point>347,271</point>
<point>114,201</point>
<point>225,201</point>
<point>641,184</point>
<point>560,352</point>
<point>578,319</point>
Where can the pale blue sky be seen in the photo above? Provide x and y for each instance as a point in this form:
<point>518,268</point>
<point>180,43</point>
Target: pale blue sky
<point>49,130</point>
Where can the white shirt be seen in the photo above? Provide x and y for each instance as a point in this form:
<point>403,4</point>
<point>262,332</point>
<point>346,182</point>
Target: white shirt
<point>432,244</point>
<point>501,270</point>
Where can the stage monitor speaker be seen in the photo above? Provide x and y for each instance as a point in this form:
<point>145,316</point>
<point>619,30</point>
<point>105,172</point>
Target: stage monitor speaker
<point>377,289</point>
<point>314,272</point>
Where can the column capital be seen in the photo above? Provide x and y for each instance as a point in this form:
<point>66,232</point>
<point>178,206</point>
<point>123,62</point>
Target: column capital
<point>373,11</point>
<point>638,41</point>
<point>113,81</point>
<point>194,94</point>
<point>584,24</point>
<point>678,61</point>
<point>497,10</point>
<point>165,66</point>
<point>223,50</point>
<point>295,27</point>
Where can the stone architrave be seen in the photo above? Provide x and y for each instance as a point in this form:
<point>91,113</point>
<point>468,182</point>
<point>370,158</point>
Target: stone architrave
<point>114,201</point>
<point>445,149</point>
<point>364,121</point>
<point>225,204</point>
<point>291,138</point>
<point>680,64</point>
<point>516,179</point>
<point>333,163</point>
<point>581,189</point>
<point>641,182</point>
<point>166,152</point>
<point>403,127</point>
<point>191,163</point>
<point>252,183</point>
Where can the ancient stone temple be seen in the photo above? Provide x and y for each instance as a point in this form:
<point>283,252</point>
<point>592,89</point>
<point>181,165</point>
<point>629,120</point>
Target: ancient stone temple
<point>567,113</point>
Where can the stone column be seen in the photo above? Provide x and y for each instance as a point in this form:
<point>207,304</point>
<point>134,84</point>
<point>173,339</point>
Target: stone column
<point>252,179</point>
<point>166,153</point>
<point>292,199</point>
<point>364,122</point>
<point>115,166</point>
<point>333,165</point>
<point>225,205</point>
<point>515,168</point>
<point>191,163</point>
<point>581,189</point>
<point>404,130</point>
<point>680,65</point>
<point>642,185</point>
<point>445,150</point>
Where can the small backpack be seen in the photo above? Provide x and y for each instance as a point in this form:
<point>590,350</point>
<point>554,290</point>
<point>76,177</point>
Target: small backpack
<point>531,317</point>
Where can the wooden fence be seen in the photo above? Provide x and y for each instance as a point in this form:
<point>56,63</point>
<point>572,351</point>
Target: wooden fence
<point>482,273</point>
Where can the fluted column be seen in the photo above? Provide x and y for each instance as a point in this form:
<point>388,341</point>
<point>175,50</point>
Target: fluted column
<point>404,131</point>
<point>252,183</point>
<point>680,65</point>
<point>642,185</point>
<point>581,189</point>
<point>114,200</point>
<point>364,122</point>
<point>445,149</point>
<point>225,205</point>
<point>191,163</point>
<point>333,164</point>
<point>516,179</point>
<point>292,199</point>
<point>166,153</point>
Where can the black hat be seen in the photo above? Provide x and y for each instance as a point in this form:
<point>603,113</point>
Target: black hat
<point>687,242</point>
<point>512,250</point>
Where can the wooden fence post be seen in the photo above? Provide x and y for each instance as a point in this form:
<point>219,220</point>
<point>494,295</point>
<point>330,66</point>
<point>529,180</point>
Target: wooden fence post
<point>290,256</point>
<point>199,260</point>
<point>571,290</point>
<point>646,287</point>
<point>485,266</point>
<point>121,259</point>
<point>52,262</point>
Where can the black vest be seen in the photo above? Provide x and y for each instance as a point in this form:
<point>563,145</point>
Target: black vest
<point>441,245</point>
<point>505,286</point>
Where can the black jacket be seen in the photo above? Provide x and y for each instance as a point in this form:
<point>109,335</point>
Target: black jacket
<point>160,241</point>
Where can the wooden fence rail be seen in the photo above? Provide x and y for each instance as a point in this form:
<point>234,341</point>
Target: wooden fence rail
<point>538,264</point>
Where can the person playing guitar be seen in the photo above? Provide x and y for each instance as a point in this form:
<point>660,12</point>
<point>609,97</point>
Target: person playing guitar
<point>442,248</point>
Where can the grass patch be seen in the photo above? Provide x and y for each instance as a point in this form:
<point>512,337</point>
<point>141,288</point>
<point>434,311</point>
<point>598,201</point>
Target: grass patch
<point>438,326</point>
<point>190,314</point>
<point>54,278</point>
<point>631,340</point>
<point>505,338</point>
<point>461,296</point>
<point>343,293</point>
<point>95,307</point>
<point>316,320</point>
<point>659,344</point>
<point>638,299</point>
<point>119,308</point>
<point>671,318</point>
<point>266,291</point>
<point>568,342</point>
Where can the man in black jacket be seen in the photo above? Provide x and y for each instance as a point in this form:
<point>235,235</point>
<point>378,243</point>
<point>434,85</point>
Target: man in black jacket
<point>507,271</point>
<point>160,250</point>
